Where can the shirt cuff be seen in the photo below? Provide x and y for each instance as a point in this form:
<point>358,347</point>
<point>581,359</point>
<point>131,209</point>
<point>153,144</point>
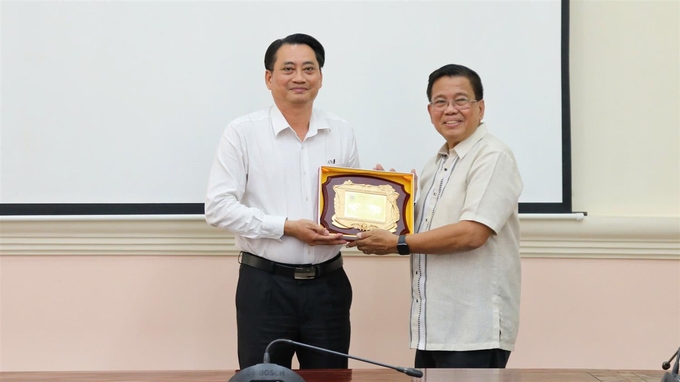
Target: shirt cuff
<point>272,226</point>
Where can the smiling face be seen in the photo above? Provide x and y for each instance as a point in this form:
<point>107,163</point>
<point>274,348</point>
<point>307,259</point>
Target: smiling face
<point>295,78</point>
<point>454,124</point>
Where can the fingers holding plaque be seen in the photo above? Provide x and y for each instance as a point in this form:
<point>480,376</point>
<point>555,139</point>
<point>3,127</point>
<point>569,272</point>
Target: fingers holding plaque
<point>354,200</point>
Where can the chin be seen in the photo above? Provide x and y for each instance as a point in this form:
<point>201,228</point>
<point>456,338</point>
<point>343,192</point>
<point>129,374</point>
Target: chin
<point>457,138</point>
<point>299,100</point>
<point>452,133</point>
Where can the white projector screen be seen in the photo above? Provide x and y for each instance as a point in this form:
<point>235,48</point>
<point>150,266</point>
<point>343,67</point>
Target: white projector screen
<point>118,107</point>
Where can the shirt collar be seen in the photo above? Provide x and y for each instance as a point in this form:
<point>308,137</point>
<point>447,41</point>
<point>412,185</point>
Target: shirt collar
<point>464,147</point>
<point>279,123</point>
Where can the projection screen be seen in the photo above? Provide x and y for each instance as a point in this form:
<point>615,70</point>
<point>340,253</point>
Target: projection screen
<point>117,107</point>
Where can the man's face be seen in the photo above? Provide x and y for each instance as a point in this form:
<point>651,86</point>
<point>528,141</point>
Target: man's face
<point>296,77</point>
<point>455,123</point>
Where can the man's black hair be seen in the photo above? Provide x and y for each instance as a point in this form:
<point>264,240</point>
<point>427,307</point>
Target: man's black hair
<point>294,39</point>
<point>453,70</point>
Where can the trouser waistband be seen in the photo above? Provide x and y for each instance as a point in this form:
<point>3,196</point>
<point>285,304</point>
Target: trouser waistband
<point>298,272</point>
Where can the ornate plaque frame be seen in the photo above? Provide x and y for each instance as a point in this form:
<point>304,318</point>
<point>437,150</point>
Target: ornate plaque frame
<point>354,200</point>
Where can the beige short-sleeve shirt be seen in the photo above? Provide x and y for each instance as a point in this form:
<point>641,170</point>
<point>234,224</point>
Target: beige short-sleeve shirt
<point>469,300</point>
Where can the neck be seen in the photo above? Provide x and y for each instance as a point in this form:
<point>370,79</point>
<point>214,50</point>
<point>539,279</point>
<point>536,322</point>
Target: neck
<point>298,117</point>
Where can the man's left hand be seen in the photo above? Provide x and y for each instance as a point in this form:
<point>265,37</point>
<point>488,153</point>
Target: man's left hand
<point>375,242</point>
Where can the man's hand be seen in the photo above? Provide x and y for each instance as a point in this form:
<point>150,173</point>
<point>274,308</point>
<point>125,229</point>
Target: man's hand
<point>379,167</point>
<point>311,233</point>
<point>377,241</point>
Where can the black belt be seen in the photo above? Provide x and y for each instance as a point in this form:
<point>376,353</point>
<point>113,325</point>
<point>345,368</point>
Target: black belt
<point>298,272</point>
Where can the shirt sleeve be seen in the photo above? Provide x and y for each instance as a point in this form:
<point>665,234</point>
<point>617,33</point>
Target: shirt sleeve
<point>353,151</point>
<point>226,186</point>
<point>494,187</point>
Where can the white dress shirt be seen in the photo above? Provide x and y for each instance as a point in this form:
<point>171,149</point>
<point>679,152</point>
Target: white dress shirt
<point>263,174</point>
<point>469,300</point>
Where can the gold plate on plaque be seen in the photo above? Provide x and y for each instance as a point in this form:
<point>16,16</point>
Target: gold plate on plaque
<point>354,200</point>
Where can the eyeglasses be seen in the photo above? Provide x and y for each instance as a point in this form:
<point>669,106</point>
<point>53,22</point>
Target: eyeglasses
<point>459,103</point>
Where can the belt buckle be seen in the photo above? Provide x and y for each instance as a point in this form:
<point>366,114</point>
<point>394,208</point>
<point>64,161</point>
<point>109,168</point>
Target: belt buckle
<point>305,273</point>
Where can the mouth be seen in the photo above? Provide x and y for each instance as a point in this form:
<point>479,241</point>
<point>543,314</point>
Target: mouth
<point>298,90</point>
<point>452,123</point>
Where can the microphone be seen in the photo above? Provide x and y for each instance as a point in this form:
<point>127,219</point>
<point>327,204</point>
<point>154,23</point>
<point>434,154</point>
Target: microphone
<point>271,372</point>
<point>673,375</point>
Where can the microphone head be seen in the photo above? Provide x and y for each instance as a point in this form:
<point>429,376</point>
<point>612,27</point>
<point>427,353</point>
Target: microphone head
<point>413,372</point>
<point>266,372</point>
<point>666,365</point>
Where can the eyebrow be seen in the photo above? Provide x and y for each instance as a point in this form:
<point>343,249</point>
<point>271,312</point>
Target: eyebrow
<point>304,63</point>
<point>459,94</point>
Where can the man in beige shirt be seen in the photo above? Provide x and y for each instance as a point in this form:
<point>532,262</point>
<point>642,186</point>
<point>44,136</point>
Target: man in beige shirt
<point>465,255</point>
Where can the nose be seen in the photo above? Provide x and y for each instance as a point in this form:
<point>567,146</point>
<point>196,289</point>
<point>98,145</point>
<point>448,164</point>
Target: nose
<point>451,108</point>
<point>299,76</point>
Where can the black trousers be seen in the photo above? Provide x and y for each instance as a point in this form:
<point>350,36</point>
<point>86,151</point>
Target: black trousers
<point>473,359</point>
<point>314,312</point>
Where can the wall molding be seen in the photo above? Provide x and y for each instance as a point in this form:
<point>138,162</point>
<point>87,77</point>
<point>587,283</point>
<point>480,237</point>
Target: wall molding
<point>592,237</point>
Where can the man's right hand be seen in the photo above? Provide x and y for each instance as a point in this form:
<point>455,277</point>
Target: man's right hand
<point>311,233</point>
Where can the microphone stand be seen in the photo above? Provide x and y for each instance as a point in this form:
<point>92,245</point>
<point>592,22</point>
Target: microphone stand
<point>267,371</point>
<point>673,375</point>
<point>406,370</point>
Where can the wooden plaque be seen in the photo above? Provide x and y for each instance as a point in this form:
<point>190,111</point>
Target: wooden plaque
<point>354,200</point>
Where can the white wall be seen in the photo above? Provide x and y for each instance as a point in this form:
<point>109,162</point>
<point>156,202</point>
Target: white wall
<point>600,293</point>
<point>625,97</point>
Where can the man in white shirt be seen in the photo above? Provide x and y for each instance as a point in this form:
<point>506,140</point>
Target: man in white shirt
<point>263,188</point>
<point>465,264</point>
